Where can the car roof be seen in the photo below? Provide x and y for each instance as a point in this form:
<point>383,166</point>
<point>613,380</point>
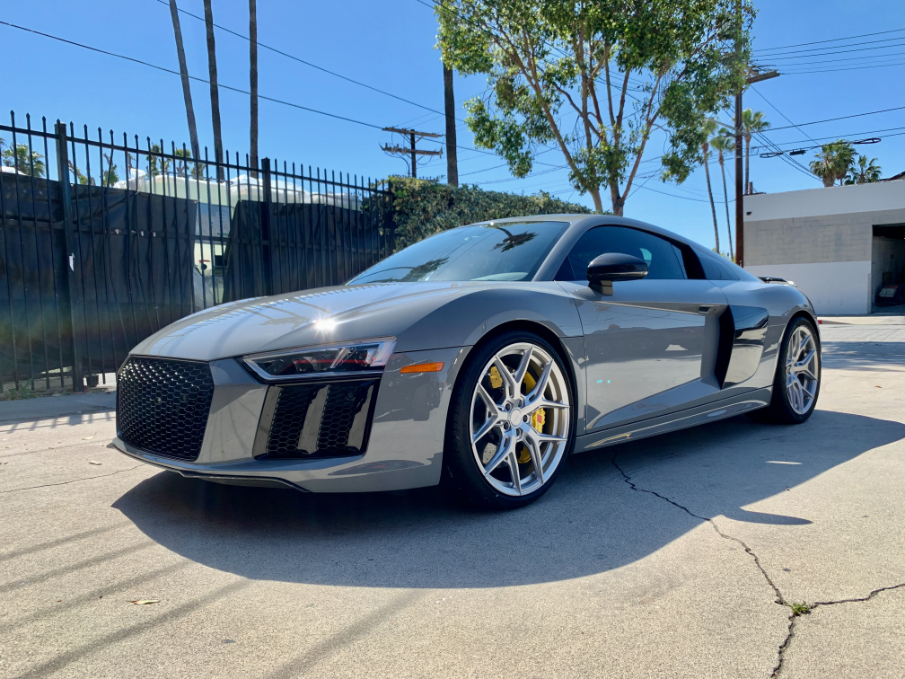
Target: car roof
<point>583,222</point>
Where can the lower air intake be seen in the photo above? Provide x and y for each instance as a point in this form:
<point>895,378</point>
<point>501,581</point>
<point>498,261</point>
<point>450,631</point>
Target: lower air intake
<point>316,420</point>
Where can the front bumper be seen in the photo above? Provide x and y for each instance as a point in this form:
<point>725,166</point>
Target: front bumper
<point>405,448</point>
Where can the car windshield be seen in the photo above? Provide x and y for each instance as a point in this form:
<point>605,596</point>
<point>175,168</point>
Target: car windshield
<point>481,252</point>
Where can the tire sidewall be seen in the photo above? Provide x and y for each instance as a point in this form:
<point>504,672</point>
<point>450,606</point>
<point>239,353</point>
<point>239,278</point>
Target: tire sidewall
<point>459,464</point>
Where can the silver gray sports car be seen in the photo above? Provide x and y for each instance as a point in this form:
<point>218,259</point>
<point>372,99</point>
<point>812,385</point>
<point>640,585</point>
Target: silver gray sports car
<point>482,357</point>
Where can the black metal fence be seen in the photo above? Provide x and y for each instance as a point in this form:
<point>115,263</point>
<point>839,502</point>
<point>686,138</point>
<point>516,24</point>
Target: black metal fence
<point>104,243</point>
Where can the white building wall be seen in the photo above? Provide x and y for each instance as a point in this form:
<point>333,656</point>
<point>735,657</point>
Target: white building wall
<point>834,288</point>
<point>823,240</point>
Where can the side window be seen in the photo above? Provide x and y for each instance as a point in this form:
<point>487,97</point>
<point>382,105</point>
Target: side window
<point>714,269</point>
<point>664,260</point>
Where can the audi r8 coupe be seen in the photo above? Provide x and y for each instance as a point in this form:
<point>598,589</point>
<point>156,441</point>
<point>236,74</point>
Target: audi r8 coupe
<point>481,357</point>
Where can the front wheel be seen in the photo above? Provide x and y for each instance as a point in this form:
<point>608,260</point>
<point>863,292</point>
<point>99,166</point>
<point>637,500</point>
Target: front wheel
<point>796,384</point>
<point>510,424</point>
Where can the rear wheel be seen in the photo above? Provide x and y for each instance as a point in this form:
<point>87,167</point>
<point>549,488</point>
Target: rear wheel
<point>796,385</point>
<point>510,424</point>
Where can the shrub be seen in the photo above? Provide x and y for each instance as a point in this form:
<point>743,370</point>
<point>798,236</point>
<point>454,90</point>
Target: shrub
<point>421,207</point>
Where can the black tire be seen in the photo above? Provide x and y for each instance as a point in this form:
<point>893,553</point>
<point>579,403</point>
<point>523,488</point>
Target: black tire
<point>781,410</point>
<point>461,472</point>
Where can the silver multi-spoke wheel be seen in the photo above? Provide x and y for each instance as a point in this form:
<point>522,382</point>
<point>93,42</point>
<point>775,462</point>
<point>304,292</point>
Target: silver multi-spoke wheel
<point>802,369</point>
<point>520,419</point>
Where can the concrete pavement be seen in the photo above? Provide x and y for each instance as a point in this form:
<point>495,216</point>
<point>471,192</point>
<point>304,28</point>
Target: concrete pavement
<point>677,556</point>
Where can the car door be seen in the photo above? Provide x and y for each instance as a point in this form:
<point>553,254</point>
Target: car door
<point>651,344</point>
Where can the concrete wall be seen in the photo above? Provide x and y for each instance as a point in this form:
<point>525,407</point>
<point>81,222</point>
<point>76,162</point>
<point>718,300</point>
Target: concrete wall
<point>888,255</point>
<point>823,240</point>
<point>834,288</point>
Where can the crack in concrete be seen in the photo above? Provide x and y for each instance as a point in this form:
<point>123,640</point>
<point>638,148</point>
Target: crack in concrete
<point>64,483</point>
<point>780,599</point>
<point>810,607</point>
<point>725,536</point>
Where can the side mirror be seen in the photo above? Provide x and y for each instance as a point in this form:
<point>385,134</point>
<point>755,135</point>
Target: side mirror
<point>616,266</point>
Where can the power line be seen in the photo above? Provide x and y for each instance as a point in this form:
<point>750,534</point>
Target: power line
<point>835,70</point>
<point>757,92</point>
<point>226,87</point>
<point>792,55</point>
<point>192,77</point>
<point>873,58</point>
<point>818,42</point>
<point>311,64</point>
<point>830,120</point>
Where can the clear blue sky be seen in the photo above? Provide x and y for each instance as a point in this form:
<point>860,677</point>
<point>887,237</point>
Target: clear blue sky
<point>390,45</point>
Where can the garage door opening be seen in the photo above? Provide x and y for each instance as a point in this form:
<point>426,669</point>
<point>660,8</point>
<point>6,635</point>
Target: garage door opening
<point>888,269</point>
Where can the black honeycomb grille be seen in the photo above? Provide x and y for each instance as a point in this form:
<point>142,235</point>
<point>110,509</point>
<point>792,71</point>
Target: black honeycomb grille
<point>162,405</point>
<point>319,420</point>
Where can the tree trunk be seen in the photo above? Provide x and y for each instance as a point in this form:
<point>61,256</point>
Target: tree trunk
<point>616,199</point>
<point>215,92</point>
<point>186,85</point>
<point>726,203</point>
<point>716,227</point>
<point>253,80</point>
<point>449,100</point>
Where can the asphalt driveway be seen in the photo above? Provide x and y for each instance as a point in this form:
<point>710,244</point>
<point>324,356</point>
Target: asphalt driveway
<point>731,550</point>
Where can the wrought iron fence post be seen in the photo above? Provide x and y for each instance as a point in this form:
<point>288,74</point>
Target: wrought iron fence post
<point>266,209</point>
<point>73,256</point>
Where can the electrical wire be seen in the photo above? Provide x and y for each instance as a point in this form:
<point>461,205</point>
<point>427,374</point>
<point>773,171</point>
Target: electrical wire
<point>309,63</point>
<point>792,55</point>
<point>818,42</point>
<point>773,106</point>
<point>836,70</point>
<point>192,77</point>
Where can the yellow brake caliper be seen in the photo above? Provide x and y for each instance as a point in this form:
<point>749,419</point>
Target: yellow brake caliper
<point>538,419</point>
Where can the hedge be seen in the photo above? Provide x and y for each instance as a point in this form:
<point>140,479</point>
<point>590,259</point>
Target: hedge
<point>423,207</point>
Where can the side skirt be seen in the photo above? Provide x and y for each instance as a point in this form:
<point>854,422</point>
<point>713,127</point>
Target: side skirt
<point>711,412</point>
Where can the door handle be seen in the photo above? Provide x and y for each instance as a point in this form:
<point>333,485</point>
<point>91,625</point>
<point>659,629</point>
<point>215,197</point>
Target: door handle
<point>705,309</point>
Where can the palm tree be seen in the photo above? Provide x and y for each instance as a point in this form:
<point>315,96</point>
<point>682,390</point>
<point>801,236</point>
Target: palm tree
<point>752,123</point>
<point>723,143</point>
<point>833,161</point>
<point>215,92</point>
<point>253,78</point>
<point>186,87</point>
<point>708,129</point>
<point>24,162</point>
<point>863,171</point>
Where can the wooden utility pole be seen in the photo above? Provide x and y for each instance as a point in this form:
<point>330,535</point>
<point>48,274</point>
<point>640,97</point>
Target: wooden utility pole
<point>452,166</point>
<point>412,150</point>
<point>751,78</point>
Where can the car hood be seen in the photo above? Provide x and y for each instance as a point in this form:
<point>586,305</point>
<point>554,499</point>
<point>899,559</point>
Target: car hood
<point>313,317</point>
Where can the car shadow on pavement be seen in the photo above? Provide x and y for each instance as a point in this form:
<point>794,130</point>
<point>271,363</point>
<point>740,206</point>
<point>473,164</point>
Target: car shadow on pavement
<point>591,521</point>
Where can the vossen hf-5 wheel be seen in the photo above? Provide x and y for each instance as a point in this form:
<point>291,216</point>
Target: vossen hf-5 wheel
<point>510,424</point>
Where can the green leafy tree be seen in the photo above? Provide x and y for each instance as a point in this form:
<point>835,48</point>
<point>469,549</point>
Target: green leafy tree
<point>863,171</point>
<point>26,163</point>
<point>752,123</point>
<point>595,79</point>
<point>723,143</point>
<point>833,161</point>
<point>708,128</point>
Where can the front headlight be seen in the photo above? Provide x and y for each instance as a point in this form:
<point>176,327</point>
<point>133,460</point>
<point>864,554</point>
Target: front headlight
<point>343,359</point>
